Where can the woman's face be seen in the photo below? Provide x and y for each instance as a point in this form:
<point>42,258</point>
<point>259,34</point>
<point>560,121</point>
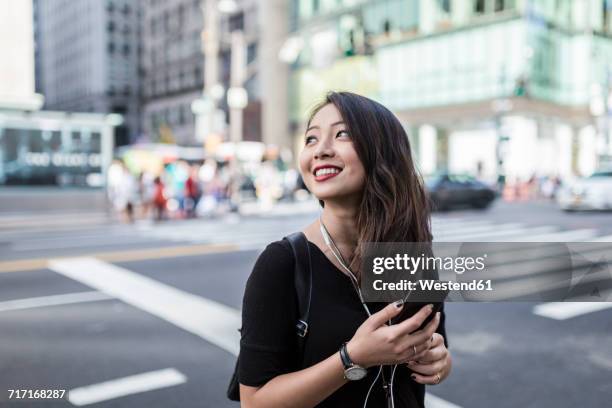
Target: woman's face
<point>328,162</point>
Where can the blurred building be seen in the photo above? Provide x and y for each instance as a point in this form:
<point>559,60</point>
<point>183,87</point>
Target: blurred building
<point>174,65</point>
<point>87,53</point>
<point>505,88</point>
<point>39,147</point>
<point>16,48</point>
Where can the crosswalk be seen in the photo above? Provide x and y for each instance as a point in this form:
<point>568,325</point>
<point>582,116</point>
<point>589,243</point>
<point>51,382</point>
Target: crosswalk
<point>257,232</point>
<point>245,233</point>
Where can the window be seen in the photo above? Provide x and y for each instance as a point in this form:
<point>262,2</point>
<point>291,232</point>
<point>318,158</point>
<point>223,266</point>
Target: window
<point>111,48</point>
<point>236,22</point>
<point>444,5</point>
<point>181,118</point>
<point>181,15</point>
<point>111,26</point>
<point>126,49</point>
<point>607,16</point>
<point>479,6</point>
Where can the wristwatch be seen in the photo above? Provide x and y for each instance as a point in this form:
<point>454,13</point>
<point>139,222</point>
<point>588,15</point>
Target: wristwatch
<point>352,371</point>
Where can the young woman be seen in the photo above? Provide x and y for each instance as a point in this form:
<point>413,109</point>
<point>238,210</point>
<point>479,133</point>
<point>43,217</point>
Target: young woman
<point>357,161</point>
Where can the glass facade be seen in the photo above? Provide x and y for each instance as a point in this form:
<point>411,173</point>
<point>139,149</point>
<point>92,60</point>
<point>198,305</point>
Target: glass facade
<point>497,78</point>
<point>35,149</point>
<point>432,53</point>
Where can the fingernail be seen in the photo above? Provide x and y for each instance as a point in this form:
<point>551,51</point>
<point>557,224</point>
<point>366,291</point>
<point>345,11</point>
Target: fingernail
<point>429,308</point>
<point>413,377</point>
<point>399,303</point>
<point>438,315</point>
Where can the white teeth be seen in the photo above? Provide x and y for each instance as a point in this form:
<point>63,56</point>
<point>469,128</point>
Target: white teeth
<point>327,170</point>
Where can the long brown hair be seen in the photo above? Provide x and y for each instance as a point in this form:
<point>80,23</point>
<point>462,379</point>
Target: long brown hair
<point>394,206</point>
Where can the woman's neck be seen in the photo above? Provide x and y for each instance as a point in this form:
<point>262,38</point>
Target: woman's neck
<point>341,223</point>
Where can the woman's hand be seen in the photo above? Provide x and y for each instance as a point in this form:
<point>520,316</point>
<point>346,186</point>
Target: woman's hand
<point>375,343</point>
<point>434,365</point>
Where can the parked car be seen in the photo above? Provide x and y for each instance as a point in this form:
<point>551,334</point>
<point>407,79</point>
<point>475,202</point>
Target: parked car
<point>448,191</point>
<point>587,193</point>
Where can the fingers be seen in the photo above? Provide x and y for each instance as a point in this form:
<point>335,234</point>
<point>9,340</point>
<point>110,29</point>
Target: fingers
<point>412,346</point>
<point>427,332</point>
<point>413,323</point>
<point>429,357</point>
<point>427,379</point>
<point>380,318</point>
<point>432,343</point>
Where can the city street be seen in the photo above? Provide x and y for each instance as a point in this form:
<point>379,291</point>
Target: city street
<point>85,300</point>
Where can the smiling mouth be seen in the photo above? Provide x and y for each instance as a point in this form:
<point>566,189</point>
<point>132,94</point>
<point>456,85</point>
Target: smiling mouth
<point>326,173</point>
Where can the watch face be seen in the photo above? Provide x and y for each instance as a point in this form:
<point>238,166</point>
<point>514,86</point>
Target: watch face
<point>355,373</point>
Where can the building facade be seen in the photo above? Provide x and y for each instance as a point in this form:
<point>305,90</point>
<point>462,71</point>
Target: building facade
<point>39,147</point>
<point>88,54</point>
<point>510,88</point>
<point>173,67</point>
<point>17,90</point>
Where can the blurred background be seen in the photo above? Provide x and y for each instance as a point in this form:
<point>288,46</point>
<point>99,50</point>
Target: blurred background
<point>148,154</point>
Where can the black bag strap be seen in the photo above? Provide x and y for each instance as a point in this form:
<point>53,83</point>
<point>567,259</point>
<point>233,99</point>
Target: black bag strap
<point>303,283</point>
<point>303,288</point>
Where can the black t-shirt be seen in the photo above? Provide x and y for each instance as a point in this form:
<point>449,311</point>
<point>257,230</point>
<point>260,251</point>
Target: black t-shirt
<point>268,346</point>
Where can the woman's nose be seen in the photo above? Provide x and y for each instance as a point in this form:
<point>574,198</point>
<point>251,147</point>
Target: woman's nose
<point>324,149</point>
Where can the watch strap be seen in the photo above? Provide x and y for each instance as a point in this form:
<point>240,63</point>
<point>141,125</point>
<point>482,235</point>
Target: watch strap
<point>346,360</point>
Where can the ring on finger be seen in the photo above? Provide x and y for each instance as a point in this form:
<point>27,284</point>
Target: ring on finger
<point>415,350</point>
<point>438,378</point>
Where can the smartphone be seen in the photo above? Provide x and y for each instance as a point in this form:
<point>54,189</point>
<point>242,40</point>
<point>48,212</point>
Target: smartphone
<point>411,308</point>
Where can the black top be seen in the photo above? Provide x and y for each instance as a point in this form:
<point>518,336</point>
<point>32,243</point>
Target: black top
<point>268,346</point>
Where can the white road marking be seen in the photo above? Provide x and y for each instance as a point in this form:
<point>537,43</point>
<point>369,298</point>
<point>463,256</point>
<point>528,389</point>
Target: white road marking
<point>466,229</point>
<point>503,235</point>
<point>214,322</point>
<point>567,310</point>
<point>53,300</point>
<point>606,238</point>
<point>562,236</point>
<point>431,401</point>
<point>499,232</point>
<point>121,387</point>
<point>80,242</point>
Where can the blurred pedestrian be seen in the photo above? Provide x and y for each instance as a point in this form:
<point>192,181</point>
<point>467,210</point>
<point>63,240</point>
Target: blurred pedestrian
<point>125,193</point>
<point>159,199</point>
<point>192,193</point>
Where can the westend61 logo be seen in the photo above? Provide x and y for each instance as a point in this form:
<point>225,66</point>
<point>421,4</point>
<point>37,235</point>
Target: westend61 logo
<point>477,271</point>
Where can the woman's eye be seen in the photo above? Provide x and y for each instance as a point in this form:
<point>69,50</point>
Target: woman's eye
<point>309,139</point>
<point>342,133</point>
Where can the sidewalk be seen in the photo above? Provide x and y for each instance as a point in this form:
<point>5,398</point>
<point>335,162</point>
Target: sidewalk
<point>21,200</point>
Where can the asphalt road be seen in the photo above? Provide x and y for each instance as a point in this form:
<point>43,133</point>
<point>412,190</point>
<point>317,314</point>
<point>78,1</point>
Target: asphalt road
<point>149,297</point>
